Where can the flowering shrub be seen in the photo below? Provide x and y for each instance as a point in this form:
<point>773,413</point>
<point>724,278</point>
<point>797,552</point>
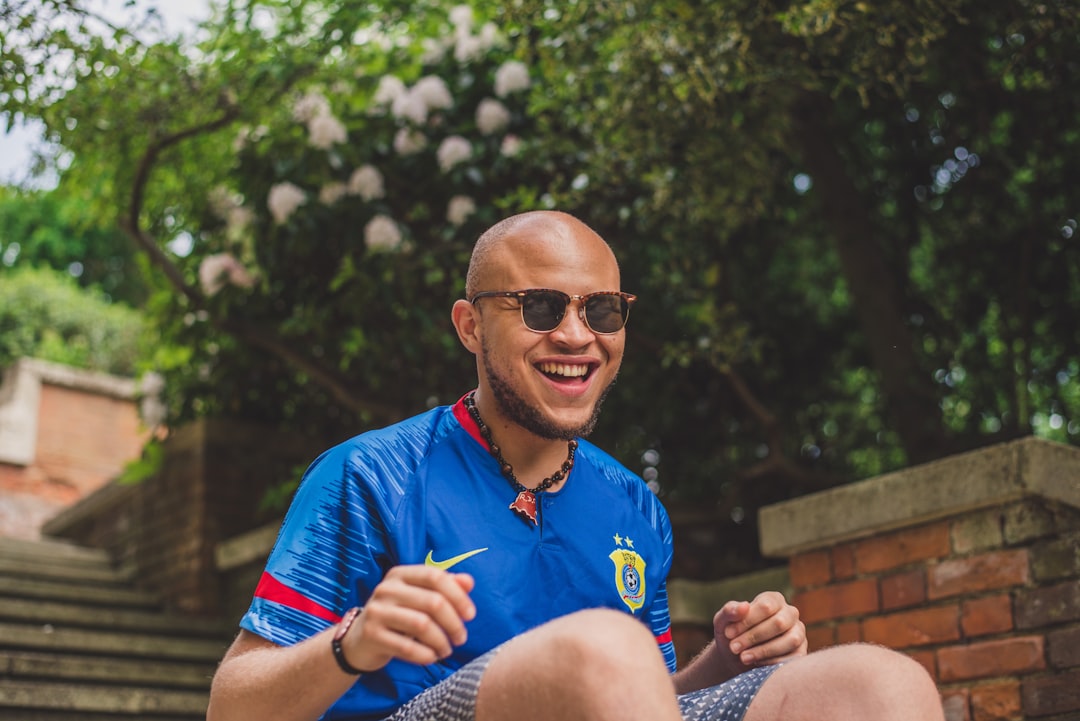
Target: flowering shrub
<point>345,225</point>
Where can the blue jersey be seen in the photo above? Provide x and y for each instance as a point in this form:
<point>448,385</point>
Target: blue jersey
<point>428,490</point>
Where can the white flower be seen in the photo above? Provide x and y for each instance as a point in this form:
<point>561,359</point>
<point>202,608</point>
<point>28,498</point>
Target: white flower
<point>283,200</point>
<point>452,151</point>
<point>382,233</point>
<point>511,146</point>
<point>409,142</point>
<point>326,130</point>
<point>239,218</point>
<point>491,116</point>
<point>433,91</point>
<point>511,77</point>
<point>410,105</point>
<point>222,201</point>
<point>468,47</point>
<point>310,105</point>
<point>332,193</point>
<point>461,16</point>
<point>459,209</point>
<point>221,268</point>
<point>367,182</point>
<point>434,50</point>
<point>489,36</point>
<point>390,88</point>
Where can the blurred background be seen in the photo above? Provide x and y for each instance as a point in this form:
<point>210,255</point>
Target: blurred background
<point>852,226</point>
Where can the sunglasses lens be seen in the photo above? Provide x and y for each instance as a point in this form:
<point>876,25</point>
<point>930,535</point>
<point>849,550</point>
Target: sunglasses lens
<point>543,310</point>
<point>606,312</point>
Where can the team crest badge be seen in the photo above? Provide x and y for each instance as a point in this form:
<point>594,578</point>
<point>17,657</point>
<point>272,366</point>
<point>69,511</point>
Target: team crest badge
<point>629,575</point>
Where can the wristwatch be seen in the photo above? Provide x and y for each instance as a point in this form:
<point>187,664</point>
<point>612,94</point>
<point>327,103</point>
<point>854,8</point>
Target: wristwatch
<point>335,643</point>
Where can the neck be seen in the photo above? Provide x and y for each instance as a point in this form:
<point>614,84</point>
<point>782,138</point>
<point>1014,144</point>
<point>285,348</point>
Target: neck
<point>533,458</point>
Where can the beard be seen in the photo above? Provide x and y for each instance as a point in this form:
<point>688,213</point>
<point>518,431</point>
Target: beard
<point>515,408</point>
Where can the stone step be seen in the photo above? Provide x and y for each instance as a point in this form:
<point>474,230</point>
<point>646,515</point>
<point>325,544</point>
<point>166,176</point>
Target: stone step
<point>52,551</point>
<point>34,714</point>
<point>28,665</point>
<point>137,703</point>
<point>54,590</point>
<point>60,639</point>
<point>78,615</point>
<point>74,572</point>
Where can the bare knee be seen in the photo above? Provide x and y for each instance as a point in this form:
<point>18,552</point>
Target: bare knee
<point>587,665</point>
<point>599,641</point>
<point>855,681</point>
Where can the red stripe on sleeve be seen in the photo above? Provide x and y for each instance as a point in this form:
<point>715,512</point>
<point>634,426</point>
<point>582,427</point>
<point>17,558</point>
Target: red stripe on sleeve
<point>663,638</point>
<point>271,589</point>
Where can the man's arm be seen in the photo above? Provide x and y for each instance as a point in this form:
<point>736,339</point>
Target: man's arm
<point>764,631</point>
<point>416,614</point>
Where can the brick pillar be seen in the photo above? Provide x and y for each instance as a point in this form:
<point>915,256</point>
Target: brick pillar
<point>165,528</point>
<point>970,565</point>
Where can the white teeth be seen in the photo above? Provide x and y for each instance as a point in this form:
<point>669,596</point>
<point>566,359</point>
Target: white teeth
<point>564,369</point>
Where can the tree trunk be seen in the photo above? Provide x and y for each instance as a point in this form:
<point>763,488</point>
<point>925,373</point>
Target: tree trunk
<point>910,396</point>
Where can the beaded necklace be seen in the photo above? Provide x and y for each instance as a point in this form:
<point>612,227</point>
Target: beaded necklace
<point>525,503</point>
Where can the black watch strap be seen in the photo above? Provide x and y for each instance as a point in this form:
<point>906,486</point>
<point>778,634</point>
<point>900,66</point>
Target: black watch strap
<point>335,643</point>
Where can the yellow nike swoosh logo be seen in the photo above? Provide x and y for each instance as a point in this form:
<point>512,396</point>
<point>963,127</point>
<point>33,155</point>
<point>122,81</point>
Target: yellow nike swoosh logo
<point>429,561</point>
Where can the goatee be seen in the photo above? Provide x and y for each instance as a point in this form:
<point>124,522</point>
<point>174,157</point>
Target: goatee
<point>515,408</point>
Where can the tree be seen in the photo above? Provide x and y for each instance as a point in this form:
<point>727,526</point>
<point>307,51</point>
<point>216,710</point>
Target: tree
<point>813,201</point>
<point>329,165</point>
<point>48,229</point>
<point>862,210</point>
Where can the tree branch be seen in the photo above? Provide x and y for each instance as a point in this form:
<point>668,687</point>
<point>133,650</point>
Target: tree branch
<point>320,374</point>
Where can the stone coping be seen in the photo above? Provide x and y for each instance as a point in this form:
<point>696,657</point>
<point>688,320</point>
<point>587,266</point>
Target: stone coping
<point>977,479</point>
<point>251,547</point>
<point>66,376</point>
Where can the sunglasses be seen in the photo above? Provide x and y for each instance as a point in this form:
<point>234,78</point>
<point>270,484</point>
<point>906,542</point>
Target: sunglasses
<point>542,309</point>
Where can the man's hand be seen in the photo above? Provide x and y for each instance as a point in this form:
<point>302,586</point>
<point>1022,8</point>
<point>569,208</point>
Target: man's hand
<point>416,614</point>
<point>761,632</point>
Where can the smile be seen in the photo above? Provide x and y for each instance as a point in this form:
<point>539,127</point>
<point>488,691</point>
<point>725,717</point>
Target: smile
<point>565,370</point>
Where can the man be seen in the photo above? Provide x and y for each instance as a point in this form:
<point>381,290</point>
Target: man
<point>508,569</point>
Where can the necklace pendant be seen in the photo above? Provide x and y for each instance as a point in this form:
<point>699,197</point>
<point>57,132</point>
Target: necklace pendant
<point>525,506</point>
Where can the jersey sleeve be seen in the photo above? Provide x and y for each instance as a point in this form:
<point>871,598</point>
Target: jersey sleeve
<point>330,553</point>
<point>659,617</point>
<point>660,622</point>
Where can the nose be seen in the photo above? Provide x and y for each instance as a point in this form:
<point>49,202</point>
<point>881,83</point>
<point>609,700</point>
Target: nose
<point>573,331</point>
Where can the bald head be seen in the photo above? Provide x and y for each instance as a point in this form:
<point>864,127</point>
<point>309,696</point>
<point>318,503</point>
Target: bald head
<point>532,237</point>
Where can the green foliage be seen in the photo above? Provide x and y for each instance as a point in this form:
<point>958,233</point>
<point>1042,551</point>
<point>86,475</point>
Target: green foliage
<point>878,196</point>
<point>44,314</point>
<point>852,225</point>
<point>145,466</point>
<point>52,229</point>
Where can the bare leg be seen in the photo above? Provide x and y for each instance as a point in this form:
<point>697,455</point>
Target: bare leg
<point>848,683</point>
<point>594,665</point>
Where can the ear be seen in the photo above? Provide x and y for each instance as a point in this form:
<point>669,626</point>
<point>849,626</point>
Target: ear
<point>466,319</point>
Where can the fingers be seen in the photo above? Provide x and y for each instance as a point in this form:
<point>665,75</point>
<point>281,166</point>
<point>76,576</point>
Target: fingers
<point>767,630</point>
<point>416,614</point>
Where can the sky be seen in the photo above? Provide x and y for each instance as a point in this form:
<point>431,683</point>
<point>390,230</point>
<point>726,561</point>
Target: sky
<point>17,143</point>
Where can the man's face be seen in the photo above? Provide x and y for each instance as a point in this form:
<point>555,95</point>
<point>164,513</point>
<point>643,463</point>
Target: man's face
<point>551,384</point>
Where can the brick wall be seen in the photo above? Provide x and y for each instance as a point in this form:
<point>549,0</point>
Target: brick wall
<point>64,433</point>
<point>983,591</point>
<point>165,528</point>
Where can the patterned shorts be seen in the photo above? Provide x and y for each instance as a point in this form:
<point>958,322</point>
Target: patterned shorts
<point>454,699</point>
<point>727,701</point>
